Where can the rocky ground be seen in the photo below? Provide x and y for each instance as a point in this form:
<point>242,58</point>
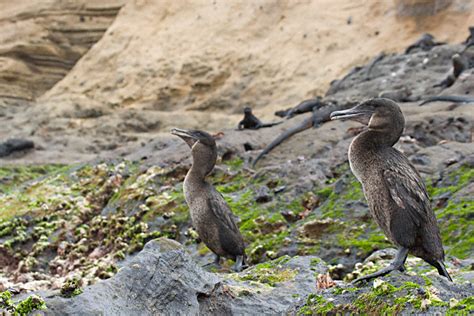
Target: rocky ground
<point>112,235</point>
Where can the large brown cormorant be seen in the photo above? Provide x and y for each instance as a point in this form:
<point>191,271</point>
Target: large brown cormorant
<point>395,193</point>
<point>210,214</point>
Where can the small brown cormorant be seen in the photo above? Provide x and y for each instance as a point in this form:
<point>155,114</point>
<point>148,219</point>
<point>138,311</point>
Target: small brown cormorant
<point>250,121</point>
<point>395,193</point>
<point>210,214</point>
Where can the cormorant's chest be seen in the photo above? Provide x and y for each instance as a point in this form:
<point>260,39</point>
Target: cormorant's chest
<point>193,193</point>
<point>197,196</point>
<point>359,161</point>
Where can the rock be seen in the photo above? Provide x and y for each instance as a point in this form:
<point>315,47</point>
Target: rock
<point>248,146</point>
<point>15,145</point>
<point>316,228</point>
<point>398,293</point>
<point>262,195</point>
<point>257,296</point>
<point>163,279</point>
<point>397,95</point>
<point>420,7</point>
<point>289,216</point>
<point>414,292</point>
<point>420,160</point>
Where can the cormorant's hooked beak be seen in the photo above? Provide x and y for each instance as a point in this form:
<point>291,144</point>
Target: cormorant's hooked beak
<point>356,114</point>
<point>185,135</point>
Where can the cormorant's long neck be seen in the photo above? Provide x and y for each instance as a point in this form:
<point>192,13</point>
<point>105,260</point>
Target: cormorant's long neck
<point>204,160</point>
<point>377,139</point>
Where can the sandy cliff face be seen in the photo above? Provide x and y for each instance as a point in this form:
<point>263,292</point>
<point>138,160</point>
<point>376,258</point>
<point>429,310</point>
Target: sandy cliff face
<point>180,55</point>
<point>197,64</point>
<point>42,40</point>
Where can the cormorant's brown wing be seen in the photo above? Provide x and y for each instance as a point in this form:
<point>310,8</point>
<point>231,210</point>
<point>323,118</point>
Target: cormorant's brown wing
<point>222,211</point>
<point>408,192</point>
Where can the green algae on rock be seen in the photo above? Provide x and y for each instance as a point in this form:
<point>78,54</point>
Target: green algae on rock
<point>385,298</point>
<point>23,307</point>
<point>111,209</point>
<point>60,216</point>
<point>270,272</point>
<point>454,217</point>
<point>71,288</point>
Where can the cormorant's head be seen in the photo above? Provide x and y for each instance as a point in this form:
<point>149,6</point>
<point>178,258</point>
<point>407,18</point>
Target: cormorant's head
<point>247,110</point>
<point>203,149</point>
<point>379,114</point>
<point>192,137</point>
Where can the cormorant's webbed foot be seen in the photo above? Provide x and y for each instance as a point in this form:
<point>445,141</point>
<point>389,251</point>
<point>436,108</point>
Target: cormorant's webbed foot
<point>397,264</point>
<point>238,264</point>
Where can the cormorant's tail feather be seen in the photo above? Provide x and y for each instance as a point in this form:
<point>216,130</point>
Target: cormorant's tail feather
<point>438,264</point>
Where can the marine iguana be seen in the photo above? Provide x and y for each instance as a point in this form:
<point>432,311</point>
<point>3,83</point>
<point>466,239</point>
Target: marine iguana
<point>319,116</point>
<point>448,98</point>
<point>250,121</point>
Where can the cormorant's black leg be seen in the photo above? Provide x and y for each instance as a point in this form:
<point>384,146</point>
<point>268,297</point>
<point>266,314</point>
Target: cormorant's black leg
<point>217,260</point>
<point>397,264</point>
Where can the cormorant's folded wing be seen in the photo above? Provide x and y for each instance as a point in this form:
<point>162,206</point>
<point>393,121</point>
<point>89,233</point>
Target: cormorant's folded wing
<point>408,192</point>
<point>222,211</point>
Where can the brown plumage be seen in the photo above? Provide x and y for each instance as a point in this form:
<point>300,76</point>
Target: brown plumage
<point>210,214</point>
<point>394,190</point>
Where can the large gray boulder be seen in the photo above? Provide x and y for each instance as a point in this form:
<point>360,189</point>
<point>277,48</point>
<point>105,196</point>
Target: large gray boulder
<point>163,279</point>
